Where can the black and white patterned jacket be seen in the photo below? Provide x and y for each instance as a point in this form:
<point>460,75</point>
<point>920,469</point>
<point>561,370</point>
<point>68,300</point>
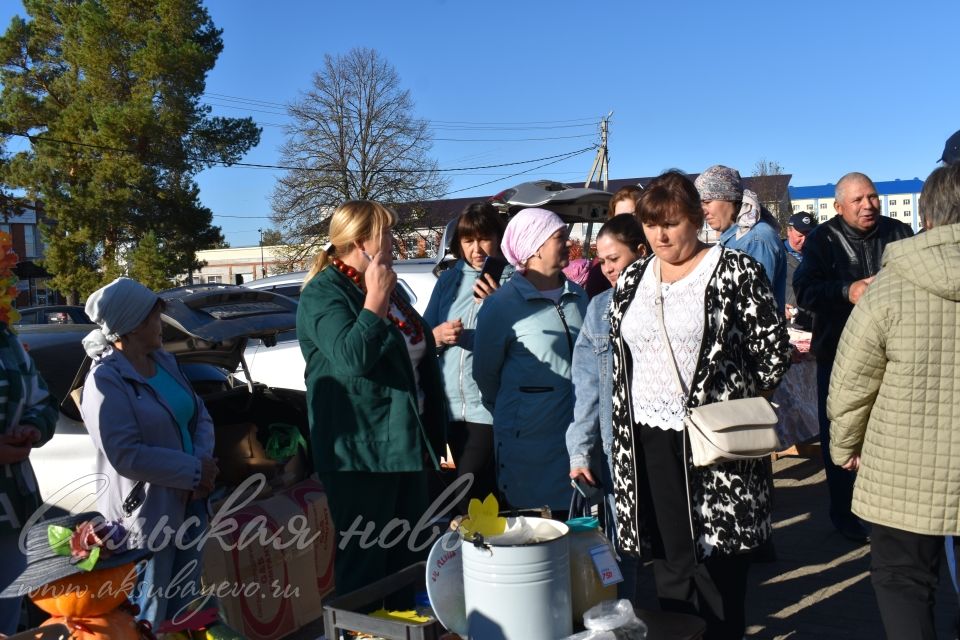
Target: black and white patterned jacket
<point>745,350</point>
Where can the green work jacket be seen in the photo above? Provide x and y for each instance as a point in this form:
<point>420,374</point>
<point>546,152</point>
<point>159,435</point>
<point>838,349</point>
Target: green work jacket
<point>361,391</point>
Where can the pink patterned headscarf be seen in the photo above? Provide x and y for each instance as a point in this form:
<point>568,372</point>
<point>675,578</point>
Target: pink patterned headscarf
<point>526,232</point>
<point>578,270</point>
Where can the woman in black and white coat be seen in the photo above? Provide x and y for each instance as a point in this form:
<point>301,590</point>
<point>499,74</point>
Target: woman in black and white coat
<point>699,524</point>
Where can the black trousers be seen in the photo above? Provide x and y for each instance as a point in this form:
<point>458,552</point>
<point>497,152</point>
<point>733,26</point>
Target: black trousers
<point>839,480</point>
<point>472,446</point>
<point>714,590</point>
<point>905,571</point>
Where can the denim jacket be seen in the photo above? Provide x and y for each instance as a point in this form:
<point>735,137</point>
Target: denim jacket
<point>593,389</point>
<point>762,243</point>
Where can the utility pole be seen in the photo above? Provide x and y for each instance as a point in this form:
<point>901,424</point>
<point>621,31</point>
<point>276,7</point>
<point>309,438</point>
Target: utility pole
<point>601,164</point>
<point>600,169</point>
<point>263,270</point>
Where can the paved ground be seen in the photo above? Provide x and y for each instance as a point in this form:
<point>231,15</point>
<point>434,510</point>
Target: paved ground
<point>819,586</point>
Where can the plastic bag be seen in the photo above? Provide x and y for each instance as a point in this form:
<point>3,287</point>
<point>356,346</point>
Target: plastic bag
<point>283,441</point>
<point>616,616</point>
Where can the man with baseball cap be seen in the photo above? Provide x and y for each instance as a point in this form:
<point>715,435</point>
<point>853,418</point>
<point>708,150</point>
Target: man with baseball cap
<point>799,225</point>
<point>951,150</point>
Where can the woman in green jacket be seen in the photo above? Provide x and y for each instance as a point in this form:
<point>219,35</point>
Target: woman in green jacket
<point>374,397</point>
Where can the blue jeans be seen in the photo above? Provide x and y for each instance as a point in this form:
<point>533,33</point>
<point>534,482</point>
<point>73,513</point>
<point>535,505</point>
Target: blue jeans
<point>839,481</point>
<point>11,567</point>
<point>159,600</point>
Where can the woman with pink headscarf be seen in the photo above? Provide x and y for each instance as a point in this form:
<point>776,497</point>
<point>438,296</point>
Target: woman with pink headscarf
<point>522,362</point>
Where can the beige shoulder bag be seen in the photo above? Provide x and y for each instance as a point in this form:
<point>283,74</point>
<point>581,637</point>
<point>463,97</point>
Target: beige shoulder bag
<point>722,431</point>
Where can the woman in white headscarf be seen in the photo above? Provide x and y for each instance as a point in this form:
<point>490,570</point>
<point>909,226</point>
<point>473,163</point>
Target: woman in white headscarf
<point>744,224</point>
<point>154,442</point>
<point>523,352</point>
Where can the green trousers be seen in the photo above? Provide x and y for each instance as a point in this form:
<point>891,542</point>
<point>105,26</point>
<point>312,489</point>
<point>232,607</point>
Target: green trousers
<point>373,516</point>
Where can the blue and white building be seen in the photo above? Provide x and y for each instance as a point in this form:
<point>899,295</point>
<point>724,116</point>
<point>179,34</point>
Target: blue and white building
<point>899,199</point>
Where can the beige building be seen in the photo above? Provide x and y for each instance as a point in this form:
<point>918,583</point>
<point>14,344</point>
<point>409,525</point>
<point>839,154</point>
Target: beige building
<point>899,199</point>
<point>223,266</point>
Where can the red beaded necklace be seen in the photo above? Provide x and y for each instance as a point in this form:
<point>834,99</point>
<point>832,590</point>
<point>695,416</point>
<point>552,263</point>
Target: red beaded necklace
<point>411,326</point>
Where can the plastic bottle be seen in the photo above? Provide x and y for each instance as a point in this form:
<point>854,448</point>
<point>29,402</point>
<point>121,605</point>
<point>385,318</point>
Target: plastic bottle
<point>586,588</point>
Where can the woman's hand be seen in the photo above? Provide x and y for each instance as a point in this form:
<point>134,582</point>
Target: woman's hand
<point>853,464</point>
<point>380,280</point>
<point>208,477</point>
<point>13,453</point>
<point>448,333</point>
<point>24,434</point>
<point>583,472</point>
<point>484,286</point>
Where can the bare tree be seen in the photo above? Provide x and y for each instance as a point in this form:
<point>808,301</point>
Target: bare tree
<point>772,190</point>
<point>354,137</point>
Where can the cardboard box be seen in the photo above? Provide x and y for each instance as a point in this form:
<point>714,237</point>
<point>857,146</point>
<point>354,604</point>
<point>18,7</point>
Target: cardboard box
<point>270,561</point>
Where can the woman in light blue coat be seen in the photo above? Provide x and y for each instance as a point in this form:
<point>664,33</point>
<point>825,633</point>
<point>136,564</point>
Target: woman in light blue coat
<point>154,442</point>
<point>452,312</point>
<point>620,243</point>
<point>523,359</point>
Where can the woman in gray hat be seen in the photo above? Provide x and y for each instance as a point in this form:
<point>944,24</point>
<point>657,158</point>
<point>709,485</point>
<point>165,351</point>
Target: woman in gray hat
<point>744,224</point>
<point>154,442</point>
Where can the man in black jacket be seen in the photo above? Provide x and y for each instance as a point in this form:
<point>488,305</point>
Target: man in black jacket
<point>841,257</point>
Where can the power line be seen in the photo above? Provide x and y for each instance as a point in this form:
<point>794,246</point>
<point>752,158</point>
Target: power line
<point>34,138</point>
<point>513,175</point>
<point>230,106</point>
<point>267,103</point>
<point>584,135</point>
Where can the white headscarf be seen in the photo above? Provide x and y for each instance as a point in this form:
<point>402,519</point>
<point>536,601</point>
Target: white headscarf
<point>749,213</point>
<point>119,308</point>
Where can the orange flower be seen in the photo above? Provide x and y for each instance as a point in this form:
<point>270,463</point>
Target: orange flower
<point>8,280</point>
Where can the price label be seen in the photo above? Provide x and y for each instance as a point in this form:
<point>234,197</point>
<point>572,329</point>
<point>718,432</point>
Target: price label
<point>606,565</point>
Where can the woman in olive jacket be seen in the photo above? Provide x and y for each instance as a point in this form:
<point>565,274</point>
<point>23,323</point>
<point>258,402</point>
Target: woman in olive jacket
<point>374,396</point>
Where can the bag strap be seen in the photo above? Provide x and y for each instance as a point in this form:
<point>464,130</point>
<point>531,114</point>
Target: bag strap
<point>658,303</point>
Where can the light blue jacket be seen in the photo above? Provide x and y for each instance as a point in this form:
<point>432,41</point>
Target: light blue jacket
<point>592,425</point>
<point>138,438</point>
<point>762,243</point>
<point>523,368</point>
<point>453,298</point>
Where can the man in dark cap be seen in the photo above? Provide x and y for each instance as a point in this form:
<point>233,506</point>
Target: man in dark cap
<point>799,225</point>
<point>951,150</point>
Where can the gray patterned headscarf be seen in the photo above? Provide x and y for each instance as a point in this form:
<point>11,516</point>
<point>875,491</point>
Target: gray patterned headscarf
<point>723,183</point>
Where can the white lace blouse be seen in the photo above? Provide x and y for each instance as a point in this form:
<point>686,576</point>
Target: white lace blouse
<point>653,387</point>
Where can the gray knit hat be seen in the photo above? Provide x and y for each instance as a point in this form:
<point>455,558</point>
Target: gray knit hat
<point>720,183</point>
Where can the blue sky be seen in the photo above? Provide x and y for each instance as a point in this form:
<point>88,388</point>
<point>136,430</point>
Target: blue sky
<point>823,88</point>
